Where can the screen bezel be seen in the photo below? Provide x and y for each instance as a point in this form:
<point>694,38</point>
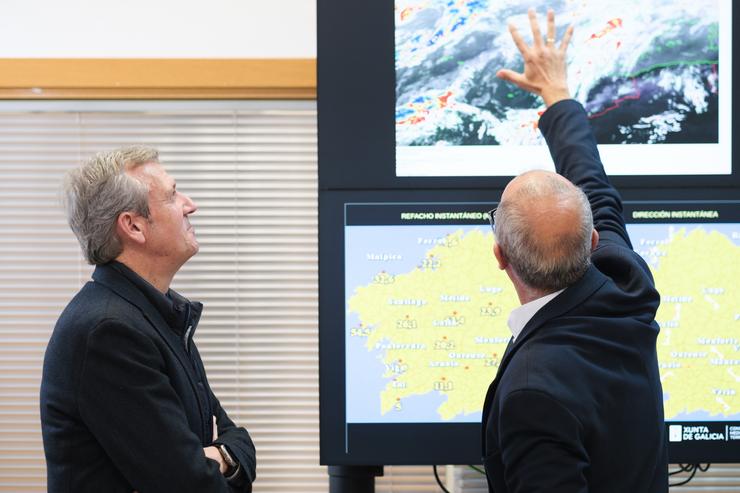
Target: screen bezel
<point>356,82</point>
<point>430,443</point>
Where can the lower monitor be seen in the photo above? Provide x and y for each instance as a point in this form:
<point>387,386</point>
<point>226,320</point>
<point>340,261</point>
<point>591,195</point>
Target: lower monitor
<point>424,311</point>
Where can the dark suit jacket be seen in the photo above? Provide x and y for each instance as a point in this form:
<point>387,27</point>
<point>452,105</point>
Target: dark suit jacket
<point>577,403</point>
<point>124,405</point>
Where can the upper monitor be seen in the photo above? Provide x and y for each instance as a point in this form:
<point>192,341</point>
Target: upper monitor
<point>645,76</point>
<point>408,93</point>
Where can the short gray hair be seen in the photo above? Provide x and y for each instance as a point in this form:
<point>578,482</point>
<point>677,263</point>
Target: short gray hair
<point>97,192</point>
<point>547,264</point>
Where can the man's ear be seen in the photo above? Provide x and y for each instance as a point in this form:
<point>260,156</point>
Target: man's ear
<point>500,258</point>
<point>594,239</point>
<point>131,227</point>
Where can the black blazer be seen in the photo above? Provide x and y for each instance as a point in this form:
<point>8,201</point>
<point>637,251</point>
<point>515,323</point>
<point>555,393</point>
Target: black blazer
<point>124,406</point>
<point>577,403</point>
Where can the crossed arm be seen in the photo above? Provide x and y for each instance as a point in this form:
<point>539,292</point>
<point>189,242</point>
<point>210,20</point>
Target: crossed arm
<point>126,401</point>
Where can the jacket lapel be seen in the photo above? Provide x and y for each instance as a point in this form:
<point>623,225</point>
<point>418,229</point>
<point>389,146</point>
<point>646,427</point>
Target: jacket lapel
<point>110,278</point>
<point>573,296</point>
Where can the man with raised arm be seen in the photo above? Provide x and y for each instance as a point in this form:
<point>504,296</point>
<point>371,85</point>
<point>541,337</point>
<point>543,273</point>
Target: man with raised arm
<point>577,404</point>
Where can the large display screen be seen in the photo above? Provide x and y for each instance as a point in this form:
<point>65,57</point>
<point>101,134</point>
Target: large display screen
<point>408,95</point>
<point>425,326</point>
<point>417,138</point>
<point>653,75</point>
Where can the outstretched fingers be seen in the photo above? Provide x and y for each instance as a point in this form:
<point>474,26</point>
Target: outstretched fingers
<point>566,39</point>
<point>550,27</point>
<point>536,34</point>
<point>518,40</point>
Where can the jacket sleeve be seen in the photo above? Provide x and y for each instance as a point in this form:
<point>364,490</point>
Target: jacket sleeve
<point>573,148</point>
<point>240,445</point>
<point>541,445</point>
<point>126,401</point>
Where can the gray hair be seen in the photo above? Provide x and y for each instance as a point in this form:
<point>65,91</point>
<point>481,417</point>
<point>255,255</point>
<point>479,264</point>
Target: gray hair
<point>547,264</point>
<point>97,192</point>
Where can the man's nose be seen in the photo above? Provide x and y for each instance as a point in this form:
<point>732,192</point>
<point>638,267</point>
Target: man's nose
<point>189,205</point>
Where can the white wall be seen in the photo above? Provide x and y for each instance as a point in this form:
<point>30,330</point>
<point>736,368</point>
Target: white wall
<point>158,29</point>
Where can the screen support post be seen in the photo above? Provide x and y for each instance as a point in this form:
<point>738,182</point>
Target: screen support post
<point>353,479</point>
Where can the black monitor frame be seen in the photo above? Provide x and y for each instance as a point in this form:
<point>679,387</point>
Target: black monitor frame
<point>356,107</point>
<point>436,443</point>
<point>356,122</point>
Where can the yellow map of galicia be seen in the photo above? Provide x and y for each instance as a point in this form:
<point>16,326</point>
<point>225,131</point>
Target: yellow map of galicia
<point>698,276</point>
<point>441,327</point>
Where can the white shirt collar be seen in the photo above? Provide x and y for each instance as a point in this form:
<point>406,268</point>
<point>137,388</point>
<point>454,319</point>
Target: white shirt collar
<point>520,316</point>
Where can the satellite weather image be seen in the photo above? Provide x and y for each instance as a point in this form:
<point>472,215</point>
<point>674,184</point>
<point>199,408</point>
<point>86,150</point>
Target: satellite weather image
<point>646,72</point>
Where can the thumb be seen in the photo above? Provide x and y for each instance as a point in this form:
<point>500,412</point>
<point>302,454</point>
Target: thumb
<point>517,79</point>
<point>510,76</point>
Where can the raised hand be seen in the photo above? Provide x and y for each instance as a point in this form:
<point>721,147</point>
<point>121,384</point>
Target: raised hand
<point>545,70</point>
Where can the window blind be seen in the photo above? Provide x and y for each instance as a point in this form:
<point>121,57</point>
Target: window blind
<point>251,168</point>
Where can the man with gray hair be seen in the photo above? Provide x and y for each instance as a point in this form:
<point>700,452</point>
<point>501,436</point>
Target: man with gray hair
<point>125,402</point>
<point>577,404</point>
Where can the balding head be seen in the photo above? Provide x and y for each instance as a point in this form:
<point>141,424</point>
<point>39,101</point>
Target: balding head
<point>544,230</point>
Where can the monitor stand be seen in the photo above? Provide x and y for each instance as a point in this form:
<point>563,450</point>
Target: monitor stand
<point>353,479</point>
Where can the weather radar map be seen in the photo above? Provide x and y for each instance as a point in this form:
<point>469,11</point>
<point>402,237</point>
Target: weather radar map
<point>647,72</point>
